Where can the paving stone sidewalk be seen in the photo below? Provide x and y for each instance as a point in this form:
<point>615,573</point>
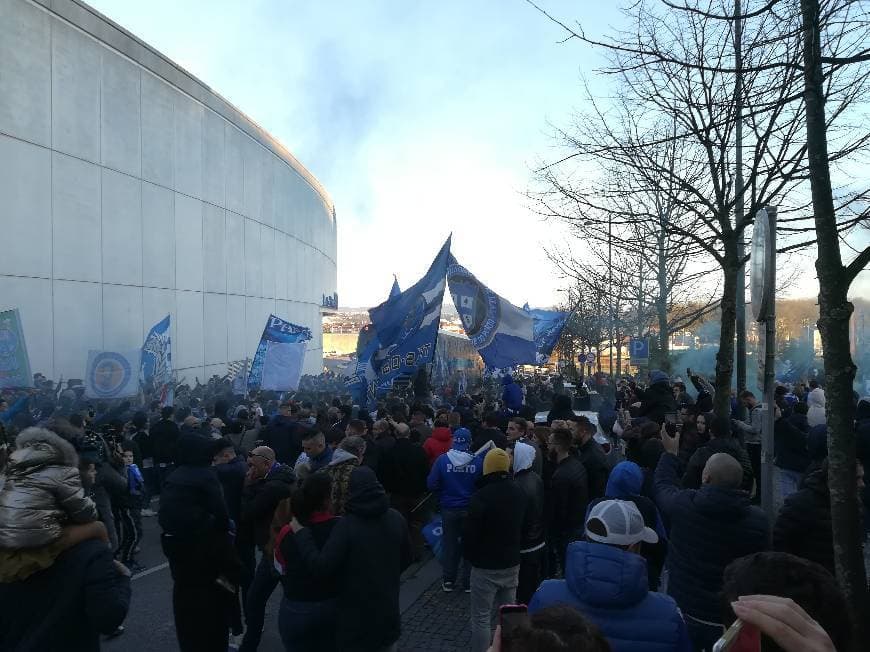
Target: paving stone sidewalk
<point>436,621</point>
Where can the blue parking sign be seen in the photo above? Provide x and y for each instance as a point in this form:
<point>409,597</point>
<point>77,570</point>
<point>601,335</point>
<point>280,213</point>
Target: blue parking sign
<point>639,351</point>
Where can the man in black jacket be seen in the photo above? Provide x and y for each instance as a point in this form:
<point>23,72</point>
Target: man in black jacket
<point>83,594</point>
<point>164,437</point>
<point>404,469</point>
<point>592,456</point>
<point>533,545</point>
<point>803,526</point>
<point>710,528</point>
<point>283,434</point>
<point>370,546</point>
<point>196,541</point>
<point>267,483</point>
<point>491,543</point>
<point>568,495</point>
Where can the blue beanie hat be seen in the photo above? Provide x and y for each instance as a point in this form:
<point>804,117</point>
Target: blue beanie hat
<point>461,439</point>
<point>658,377</point>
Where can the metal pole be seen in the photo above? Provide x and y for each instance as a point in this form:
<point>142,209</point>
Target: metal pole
<point>610,288</point>
<point>769,378</point>
<point>739,204</point>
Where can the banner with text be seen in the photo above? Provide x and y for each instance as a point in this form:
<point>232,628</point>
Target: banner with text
<point>277,331</point>
<point>14,362</point>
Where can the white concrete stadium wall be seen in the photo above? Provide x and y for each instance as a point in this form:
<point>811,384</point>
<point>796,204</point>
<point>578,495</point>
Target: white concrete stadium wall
<point>129,190</point>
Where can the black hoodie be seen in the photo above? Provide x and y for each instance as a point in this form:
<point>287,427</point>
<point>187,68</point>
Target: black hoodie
<point>370,548</point>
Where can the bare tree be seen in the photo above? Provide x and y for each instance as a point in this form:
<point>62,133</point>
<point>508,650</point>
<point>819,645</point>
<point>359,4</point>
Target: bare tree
<point>675,67</point>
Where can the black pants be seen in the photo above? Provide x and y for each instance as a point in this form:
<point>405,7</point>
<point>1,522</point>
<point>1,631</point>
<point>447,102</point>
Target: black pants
<point>128,534</point>
<point>754,453</point>
<point>201,623</point>
<point>261,589</point>
<point>531,573</point>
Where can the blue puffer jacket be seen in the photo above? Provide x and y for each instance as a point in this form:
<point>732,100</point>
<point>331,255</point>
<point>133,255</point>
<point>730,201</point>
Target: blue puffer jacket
<point>609,587</point>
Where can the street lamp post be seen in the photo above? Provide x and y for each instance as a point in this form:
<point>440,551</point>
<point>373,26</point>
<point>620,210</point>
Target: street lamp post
<point>610,287</point>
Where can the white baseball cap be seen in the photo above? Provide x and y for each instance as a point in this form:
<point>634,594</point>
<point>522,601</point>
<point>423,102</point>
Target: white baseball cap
<point>622,523</point>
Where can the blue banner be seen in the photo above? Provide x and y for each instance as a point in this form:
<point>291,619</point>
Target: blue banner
<point>407,325</point>
<point>156,365</point>
<point>549,325</point>
<point>503,334</point>
<point>277,330</point>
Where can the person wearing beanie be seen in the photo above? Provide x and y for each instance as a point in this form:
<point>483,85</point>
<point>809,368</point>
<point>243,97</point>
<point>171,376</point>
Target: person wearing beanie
<point>657,399</point>
<point>438,443</point>
<point>492,540</point>
<point>453,477</point>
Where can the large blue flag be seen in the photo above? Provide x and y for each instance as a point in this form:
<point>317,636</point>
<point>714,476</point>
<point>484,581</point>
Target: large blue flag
<point>14,362</point>
<point>274,357</point>
<point>549,325</point>
<point>503,334</point>
<point>157,362</point>
<point>395,290</point>
<point>407,325</point>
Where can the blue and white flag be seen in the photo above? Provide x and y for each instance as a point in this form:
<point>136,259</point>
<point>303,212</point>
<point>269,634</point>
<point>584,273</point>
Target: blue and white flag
<point>503,334</point>
<point>113,374</point>
<point>548,325</point>
<point>277,360</point>
<point>157,362</point>
<point>361,384</point>
<point>14,362</point>
<point>407,324</point>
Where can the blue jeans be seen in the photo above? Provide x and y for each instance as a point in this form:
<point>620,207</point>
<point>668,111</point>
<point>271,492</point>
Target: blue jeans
<point>264,583</point>
<point>452,522</point>
<point>308,626</point>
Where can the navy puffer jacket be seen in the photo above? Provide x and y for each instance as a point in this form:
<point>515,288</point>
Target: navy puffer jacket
<point>609,587</point>
<point>710,528</point>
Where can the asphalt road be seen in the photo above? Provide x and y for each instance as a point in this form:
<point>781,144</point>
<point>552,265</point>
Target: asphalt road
<point>149,625</point>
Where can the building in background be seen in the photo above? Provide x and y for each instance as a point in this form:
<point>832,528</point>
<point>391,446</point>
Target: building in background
<point>130,190</point>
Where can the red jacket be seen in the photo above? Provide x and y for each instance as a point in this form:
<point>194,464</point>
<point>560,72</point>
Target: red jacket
<point>438,444</point>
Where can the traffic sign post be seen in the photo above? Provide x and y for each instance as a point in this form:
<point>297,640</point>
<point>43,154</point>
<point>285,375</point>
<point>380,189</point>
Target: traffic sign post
<point>763,287</point>
<point>638,351</point>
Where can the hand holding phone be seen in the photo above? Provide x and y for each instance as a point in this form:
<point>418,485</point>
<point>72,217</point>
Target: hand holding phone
<point>512,616</point>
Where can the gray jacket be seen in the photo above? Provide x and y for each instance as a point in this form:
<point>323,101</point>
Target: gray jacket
<point>43,491</point>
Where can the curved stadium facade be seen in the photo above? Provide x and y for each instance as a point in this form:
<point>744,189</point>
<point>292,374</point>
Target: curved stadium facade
<point>130,190</point>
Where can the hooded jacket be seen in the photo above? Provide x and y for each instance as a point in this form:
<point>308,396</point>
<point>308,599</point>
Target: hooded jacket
<point>710,528</point>
<point>816,403</point>
<point>512,394</point>
<point>609,587</point>
<point>533,487</point>
<point>438,443</point>
<point>194,518</point>
<point>493,529</point>
<point>453,477</point>
<point>340,468</point>
<point>43,491</point>
<point>370,547</point>
<point>626,483</point>
<point>803,526</point>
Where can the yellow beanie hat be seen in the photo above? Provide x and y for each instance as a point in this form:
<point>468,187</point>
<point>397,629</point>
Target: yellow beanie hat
<point>496,461</point>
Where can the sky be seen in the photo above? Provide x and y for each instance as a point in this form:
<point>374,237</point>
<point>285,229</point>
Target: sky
<point>419,118</point>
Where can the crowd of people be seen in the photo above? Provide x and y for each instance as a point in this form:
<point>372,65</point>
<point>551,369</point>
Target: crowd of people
<point>631,527</point>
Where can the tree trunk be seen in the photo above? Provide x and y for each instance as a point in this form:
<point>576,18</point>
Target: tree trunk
<point>834,314</point>
<point>725,357</point>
